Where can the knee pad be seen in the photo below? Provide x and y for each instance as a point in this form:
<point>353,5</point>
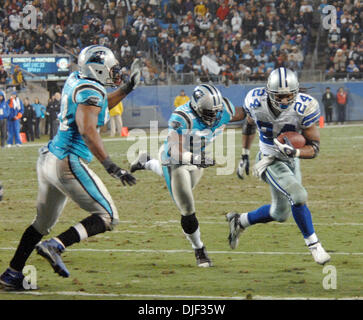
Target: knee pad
<point>299,196</point>
<point>189,223</point>
<point>43,230</point>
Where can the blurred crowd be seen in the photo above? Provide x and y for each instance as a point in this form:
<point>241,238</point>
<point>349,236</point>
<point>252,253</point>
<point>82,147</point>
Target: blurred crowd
<point>345,42</point>
<point>194,40</point>
<point>236,40</point>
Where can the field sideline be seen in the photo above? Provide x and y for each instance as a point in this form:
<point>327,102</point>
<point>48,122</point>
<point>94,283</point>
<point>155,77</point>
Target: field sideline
<point>147,256</point>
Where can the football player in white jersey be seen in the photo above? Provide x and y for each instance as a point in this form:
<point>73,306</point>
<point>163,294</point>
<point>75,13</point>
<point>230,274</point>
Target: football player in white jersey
<point>276,109</point>
<point>62,165</point>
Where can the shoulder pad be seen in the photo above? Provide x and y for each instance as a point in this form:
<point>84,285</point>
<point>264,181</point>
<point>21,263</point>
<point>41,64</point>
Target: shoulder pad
<point>228,105</point>
<point>89,93</point>
<point>180,120</point>
<point>310,112</point>
<point>253,98</point>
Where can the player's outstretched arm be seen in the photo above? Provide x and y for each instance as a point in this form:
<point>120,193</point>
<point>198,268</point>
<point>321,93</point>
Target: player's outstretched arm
<point>116,96</point>
<point>86,119</point>
<point>239,114</point>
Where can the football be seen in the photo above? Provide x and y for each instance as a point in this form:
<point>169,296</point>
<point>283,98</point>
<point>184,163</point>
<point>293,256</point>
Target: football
<point>297,140</point>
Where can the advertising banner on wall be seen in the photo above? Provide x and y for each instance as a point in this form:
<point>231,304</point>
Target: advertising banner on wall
<point>39,67</point>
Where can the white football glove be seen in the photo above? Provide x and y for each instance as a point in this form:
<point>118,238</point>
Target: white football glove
<point>136,72</point>
<point>243,166</point>
<point>286,148</point>
<point>260,167</point>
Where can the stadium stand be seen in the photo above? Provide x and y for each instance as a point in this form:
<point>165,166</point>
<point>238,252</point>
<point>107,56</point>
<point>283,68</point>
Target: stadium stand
<point>191,41</point>
<point>343,42</point>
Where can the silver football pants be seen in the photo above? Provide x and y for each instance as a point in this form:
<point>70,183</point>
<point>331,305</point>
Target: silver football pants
<point>286,189</point>
<point>181,180</point>
<point>71,178</point>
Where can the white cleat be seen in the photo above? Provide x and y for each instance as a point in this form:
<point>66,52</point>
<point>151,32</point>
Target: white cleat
<point>235,228</point>
<point>319,254</point>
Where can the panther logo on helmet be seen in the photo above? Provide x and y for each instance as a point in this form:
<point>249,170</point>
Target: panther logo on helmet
<point>197,94</point>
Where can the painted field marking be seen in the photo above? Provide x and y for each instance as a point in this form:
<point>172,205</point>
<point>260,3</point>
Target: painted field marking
<point>164,296</point>
<point>93,250</point>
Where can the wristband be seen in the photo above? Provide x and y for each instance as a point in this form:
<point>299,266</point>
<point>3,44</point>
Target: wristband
<point>107,163</point>
<point>127,87</point>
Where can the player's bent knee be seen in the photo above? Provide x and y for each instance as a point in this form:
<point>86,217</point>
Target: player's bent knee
<point>108,221</point>
<point>42,229</point>
<point>300,199</point>
<point>299,196</point>
<point>189,223</point>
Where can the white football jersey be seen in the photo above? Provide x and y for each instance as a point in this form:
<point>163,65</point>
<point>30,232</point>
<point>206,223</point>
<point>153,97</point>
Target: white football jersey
<point>302,114</point>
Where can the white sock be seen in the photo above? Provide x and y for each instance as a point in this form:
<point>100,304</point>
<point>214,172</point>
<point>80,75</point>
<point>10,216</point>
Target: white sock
<point>311,239</point>
<point>154,165</point>
<point>194,239</point>
<point>244,220</point>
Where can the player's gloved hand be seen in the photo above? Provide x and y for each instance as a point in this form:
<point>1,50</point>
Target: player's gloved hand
<point>260,167</point>
<point>134,77</point>
<point>286,148</point>
<point>202,161</point>
<point>243,166</point>
<point>115,171</point>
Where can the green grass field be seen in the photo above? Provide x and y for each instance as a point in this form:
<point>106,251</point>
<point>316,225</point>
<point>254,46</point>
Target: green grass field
<point>147,256</point>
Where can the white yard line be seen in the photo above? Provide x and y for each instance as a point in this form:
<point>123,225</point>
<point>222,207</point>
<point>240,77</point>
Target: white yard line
<point>209,221</point>
<point>92,250</point>
<point>165,296</point>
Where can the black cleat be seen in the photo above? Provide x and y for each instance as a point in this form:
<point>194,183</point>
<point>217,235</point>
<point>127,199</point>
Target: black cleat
<point>202,258</point>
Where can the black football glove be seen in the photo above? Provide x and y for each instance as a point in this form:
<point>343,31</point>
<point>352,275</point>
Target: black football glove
<point>116,172</point>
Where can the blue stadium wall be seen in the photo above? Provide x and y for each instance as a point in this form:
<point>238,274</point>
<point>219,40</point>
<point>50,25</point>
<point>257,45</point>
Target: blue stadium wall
<point>156,102</point>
